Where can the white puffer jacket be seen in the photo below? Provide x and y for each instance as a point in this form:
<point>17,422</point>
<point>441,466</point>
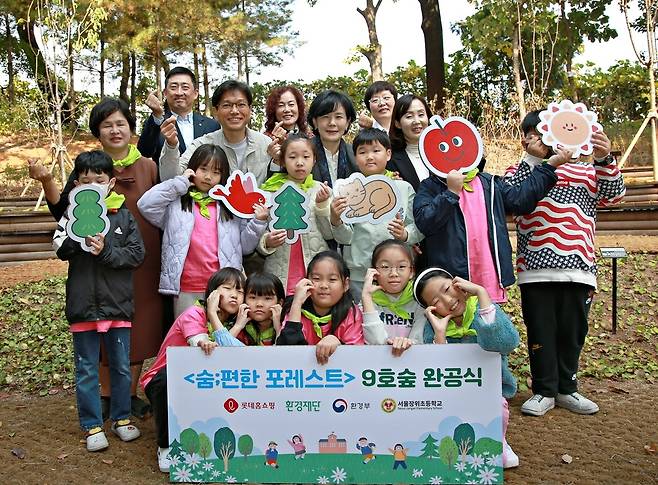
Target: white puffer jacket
<point>313,242</point>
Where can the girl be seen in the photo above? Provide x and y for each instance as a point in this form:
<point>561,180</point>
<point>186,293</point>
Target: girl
<point>372,149</point>
<point>288,261</point>
<point>411,116</point>
<point>330,115</point>
<point>200,235</point>
<point>465,216</point>
<point>460,311</point>
<point>298,446</point>
<point>261,323</point>
<point>223,297</point>
<point>390,313</point>
<point>112,124</point>
<point>322,311</point>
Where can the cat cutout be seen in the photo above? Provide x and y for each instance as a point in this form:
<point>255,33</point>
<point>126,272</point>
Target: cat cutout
<point>373,199</point>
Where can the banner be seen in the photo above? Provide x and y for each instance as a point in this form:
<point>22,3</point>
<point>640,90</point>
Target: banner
<point>273,415</point>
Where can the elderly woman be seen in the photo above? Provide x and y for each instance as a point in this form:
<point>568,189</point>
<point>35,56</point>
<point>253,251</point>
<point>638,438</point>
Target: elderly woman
<point>113,125</point>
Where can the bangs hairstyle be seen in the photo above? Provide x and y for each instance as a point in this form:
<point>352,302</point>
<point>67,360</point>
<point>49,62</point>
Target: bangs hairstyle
<point>326,102</point>
<point>392,243</point>
<point>530,121</point>
<point>346,303</point>
<point>224,276</point>
<point>212,156</point>
<point>424,278</point>
<point>293,138</point>
<point>273,101</point>
<point>231,85</point>
<point>370,136</point>
<point>265,284</point>
<point>401,107</point>
<point>96,161</point>
<point>376,88</point>
<point>104,108</point>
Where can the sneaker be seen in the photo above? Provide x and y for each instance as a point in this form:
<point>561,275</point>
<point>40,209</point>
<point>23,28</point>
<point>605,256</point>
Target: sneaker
<point>576,403</point>
<point>125,430</point>
<point>96,439</point>
<point>510,459</point>
<point>164,462</point>
<point>538,405</point>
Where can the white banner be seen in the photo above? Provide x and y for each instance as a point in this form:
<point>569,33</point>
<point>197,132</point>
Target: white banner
<point>273,415</point>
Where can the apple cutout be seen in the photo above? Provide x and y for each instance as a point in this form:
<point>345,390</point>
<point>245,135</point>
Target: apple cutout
<point>450,144</point>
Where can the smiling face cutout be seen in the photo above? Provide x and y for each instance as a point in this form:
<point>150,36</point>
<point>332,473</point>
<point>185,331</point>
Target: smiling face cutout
<point>568,125</point>
<point>450,144</point>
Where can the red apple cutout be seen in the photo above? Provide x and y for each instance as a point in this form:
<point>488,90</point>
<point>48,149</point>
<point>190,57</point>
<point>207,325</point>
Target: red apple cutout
<point>450,144</point>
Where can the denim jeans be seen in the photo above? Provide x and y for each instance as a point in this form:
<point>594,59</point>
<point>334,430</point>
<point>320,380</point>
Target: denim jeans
<point>86,347</point>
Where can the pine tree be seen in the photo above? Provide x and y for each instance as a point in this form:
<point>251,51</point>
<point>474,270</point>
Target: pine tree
<point>430,450</point>
<point>290,212</point>
<point>175,449</point>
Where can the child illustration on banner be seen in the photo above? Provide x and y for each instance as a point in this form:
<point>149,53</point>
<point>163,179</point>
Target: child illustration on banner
<point>367,449</point>
<point>322,311</point>
<point>285,258</point>
<point>298,447</point>
<point>462,211</point>
<point>372,150</point>
<point>399,456</point>
<point>271,455</point>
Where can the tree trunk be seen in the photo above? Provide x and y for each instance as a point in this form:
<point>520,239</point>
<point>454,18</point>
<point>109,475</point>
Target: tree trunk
<point>71,99</point>
<point>374,50</point>
<point>133,83</point>
<point>101,75</point>
<point>238,49</point>
<point>195,51</point>
<point>125,77</point>
<point>516,67</point>
<point>567,32</point>
<point>246,66</point>
<point>10,60</point>
<point>434,63</point>
<point>158,76</point>
<point>206,87</point>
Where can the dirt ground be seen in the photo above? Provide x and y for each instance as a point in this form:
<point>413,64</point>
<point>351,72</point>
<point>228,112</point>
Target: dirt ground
<point>607,448</point>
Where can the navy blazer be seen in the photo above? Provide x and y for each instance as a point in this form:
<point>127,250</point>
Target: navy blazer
<point>151,140</point>
<point>401,164</point>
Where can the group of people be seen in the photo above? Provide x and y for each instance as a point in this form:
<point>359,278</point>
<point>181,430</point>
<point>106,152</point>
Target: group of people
<point>175,259</point>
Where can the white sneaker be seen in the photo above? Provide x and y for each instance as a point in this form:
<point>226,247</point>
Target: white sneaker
<point>164,462</point>
<point>538,405</point>
<point>576,403</point>
<point>125,430</point>
<point>510,459</point>
<point>96,440</point>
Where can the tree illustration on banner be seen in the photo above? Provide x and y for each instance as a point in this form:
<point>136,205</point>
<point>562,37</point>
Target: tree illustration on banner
<point>245,445</point>
<point>464,436</point>
<point>205,446</point>
<point>189,441</point>
<point>87,214</point>
<point>448,451</point>
<point>224,445</point>
<point>290,211</point>
<point>430,450</point>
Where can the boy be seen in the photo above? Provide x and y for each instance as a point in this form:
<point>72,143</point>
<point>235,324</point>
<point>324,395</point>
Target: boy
<point>99,303</point>
<point>372,150</point>
<point>556,266</point>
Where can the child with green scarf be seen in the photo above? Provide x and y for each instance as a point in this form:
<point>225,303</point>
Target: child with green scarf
<point>391,315</point>
<point>459,311</point>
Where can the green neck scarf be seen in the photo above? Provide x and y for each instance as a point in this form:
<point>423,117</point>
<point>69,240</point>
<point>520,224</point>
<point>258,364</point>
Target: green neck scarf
<point>317,321</point>
<point>389,174</point>
<point>276,181</point>
<point>133,156</point>
<point>203,199</point>
<point>397,307</point>
<point>258,336</point>
<point>469,177</point>
<point>460,331</point>
<point>113,201</point>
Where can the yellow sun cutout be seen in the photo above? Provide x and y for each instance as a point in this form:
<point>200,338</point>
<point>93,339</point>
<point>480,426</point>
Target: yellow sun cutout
<point>568,125</point>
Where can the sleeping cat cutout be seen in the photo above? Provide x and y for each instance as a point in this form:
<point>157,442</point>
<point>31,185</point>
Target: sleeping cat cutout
<point>372,199</point>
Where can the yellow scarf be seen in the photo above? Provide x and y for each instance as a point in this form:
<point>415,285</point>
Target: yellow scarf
<point>133,156</point>
<point>113,201</point>
<point>276,181</point>
<point>317,321</point>
<point>458,331</point>
<point>470,175</point>
<point>203,199</point>
<point>397,307</point>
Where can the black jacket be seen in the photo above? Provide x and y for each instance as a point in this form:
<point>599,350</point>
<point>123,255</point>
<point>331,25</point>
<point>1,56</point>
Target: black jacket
<point>151,140</point>
<point>401,164</point>
<point>100,287</point>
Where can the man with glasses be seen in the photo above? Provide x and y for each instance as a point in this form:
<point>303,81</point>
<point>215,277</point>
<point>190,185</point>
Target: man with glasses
<point>379,100</point>
<point>245,148</point>
<point>180,93</point>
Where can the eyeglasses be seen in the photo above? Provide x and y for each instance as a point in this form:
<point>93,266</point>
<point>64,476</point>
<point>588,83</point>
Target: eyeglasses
<point>383,99</point>
<point>386,269</point>
<point>229,106</point>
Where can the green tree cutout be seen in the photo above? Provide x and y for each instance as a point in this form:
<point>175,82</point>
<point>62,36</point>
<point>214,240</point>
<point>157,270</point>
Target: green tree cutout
<point>430,450</point>
<point>291,211</point>
<point>88,215</point>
